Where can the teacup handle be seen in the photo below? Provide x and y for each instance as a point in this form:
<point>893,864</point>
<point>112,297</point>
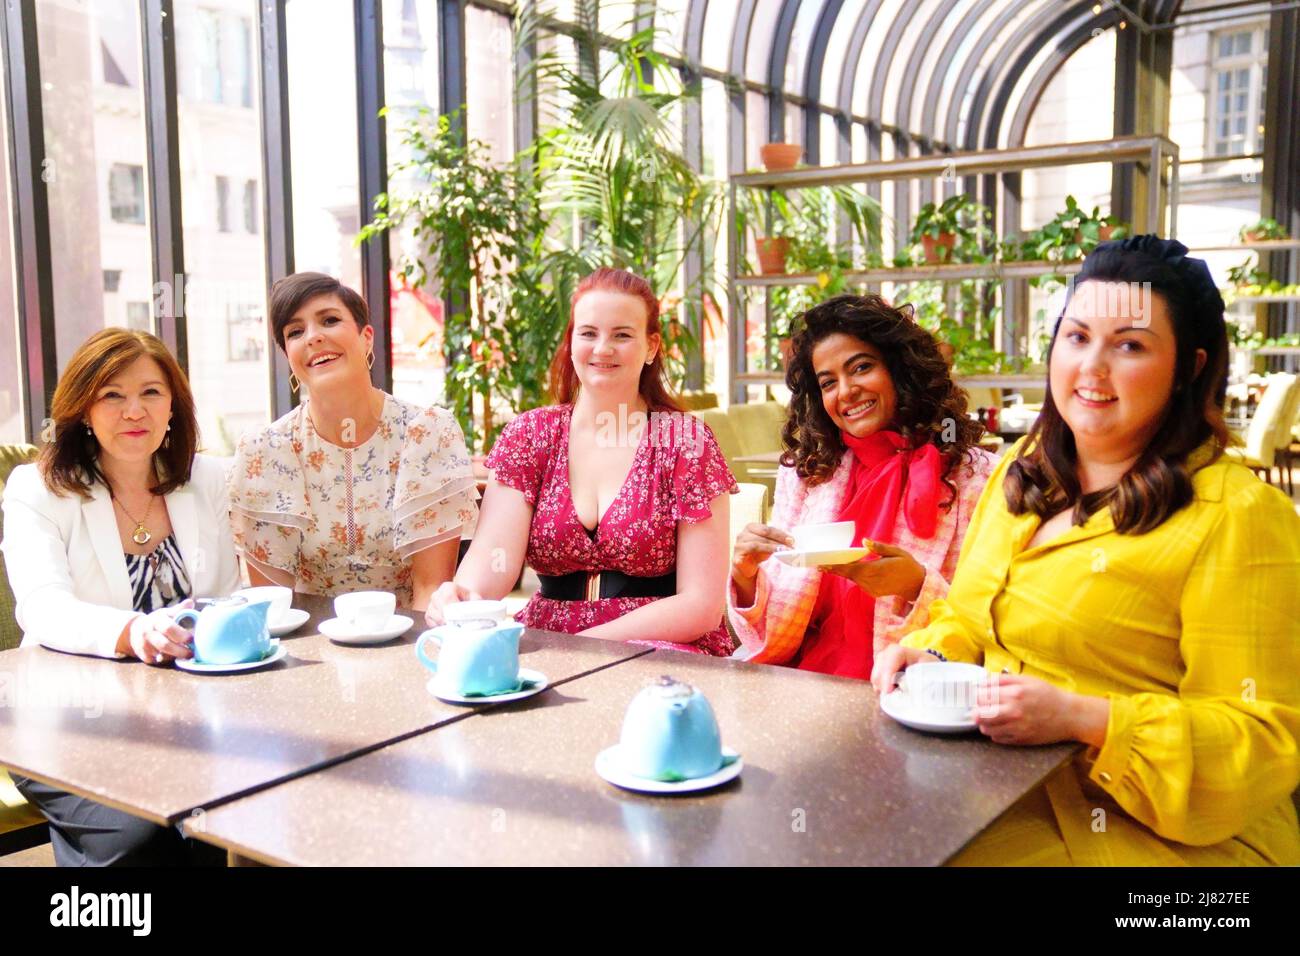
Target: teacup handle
<point>187,615</point>
<point>419,652</point>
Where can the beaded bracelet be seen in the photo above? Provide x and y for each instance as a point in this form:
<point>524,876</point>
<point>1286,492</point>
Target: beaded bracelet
<point>936,654</point>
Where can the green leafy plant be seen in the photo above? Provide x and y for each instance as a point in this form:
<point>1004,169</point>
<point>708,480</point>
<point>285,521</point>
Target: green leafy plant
<point>958,220</point>
<point>611,170</point>
<point>1070,235</point>
<point>1261,230</point>
<point>478,226</point>
<point>974,352</point>
<point>808,219</point>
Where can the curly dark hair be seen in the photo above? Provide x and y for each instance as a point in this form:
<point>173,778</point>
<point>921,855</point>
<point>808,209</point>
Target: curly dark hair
<point>931,408</point>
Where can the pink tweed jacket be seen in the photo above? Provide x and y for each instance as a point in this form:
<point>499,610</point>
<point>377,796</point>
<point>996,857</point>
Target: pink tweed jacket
<point>773,628</point>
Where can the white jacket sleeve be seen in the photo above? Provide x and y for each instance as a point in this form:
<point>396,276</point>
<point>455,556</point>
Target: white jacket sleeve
<point>36,561</point>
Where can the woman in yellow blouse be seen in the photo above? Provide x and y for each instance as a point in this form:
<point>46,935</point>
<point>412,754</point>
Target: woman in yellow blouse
<point>1132,590</point>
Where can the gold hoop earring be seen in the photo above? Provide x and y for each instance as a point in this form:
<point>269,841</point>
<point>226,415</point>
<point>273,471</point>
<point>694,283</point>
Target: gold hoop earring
<point>293,383</point>
<point>370,359</point>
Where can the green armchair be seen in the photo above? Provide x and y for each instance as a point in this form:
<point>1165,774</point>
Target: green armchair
<point>21,825</point>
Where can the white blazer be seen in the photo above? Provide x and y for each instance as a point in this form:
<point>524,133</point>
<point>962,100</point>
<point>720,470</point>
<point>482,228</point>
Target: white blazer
<point>67,569</point>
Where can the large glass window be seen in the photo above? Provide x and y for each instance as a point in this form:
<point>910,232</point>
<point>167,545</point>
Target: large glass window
<point>719,27</point>
<point>489,44</point>
<point>225,302</point>
<point>805,23</point>
<point>766,13</point>
<point>95,162</point>
<point>411,85</point>
<point>323,134</point>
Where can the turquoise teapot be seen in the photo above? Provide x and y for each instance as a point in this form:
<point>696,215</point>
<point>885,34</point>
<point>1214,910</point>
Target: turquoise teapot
<point>670,733</point>
<point>228,631</point>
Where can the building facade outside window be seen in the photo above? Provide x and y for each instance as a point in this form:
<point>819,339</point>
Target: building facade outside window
<point>223,204</point>
<point>1236,114</point>
<point>126,193</point>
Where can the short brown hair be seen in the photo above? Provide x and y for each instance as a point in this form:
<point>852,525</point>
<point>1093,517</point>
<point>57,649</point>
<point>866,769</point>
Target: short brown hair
<point>70,461</point>
<point>293,292</point>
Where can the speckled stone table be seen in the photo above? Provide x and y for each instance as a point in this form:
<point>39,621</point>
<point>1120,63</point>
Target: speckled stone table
<point>162,743</point>
<point>828,779</point>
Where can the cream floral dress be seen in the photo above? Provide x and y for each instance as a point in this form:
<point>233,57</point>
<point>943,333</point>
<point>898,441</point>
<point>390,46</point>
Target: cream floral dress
<point>348,519</point>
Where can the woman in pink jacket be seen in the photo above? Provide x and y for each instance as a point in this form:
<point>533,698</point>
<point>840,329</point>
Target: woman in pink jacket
<point>877,435</point>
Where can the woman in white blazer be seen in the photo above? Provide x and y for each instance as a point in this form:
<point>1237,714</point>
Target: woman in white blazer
<point>115,525</point>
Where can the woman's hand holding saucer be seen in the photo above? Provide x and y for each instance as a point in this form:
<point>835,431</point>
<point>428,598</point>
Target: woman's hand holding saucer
<point>449,592</point>
<point>156,638</point>
<point>893,571</point>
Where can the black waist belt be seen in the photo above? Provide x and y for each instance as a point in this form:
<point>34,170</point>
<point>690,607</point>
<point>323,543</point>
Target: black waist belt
<point>597,585</point>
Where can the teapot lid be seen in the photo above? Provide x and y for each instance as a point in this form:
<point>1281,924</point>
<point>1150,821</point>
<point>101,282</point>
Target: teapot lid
<point>670,688</point>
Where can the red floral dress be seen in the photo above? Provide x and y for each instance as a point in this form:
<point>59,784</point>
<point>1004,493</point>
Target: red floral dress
<point>676,472</point>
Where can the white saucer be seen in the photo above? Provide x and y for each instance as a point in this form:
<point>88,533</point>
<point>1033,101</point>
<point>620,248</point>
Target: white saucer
<point>900,707</point>
<point>340,633</point>
<point>189,664</point>
<point>294,618</point>
<point>821,559</point>
<point>537,678</point>
<point>611,769</point>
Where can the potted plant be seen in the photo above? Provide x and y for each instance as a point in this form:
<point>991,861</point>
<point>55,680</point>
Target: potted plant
<point>471,217</point>
<point>768,215</point>
<point>1071,234</point>
<point>809,219</point>
<point>949,231</point>
<point>1262,230</point>
<point>779,157</point>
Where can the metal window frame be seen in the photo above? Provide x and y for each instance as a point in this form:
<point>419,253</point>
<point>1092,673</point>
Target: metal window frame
<point>33,276</point>
<point>163,165</point>
<point>372,166</point>
<point>277,189</point>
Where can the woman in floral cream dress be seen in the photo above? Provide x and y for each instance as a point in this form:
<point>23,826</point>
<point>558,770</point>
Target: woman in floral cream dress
<point>353,489</point>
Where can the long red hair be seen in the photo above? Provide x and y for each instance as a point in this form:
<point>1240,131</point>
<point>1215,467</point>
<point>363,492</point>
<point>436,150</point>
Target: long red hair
<point>654,383</point>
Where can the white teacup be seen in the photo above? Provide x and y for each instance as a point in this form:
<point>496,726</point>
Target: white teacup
<point>835,536</point>
<point>464,611</point>
<point>946,689</point>
<point>281,599</point>
<point>365,611</point>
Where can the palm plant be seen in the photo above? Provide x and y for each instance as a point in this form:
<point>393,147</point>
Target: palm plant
<point>614,166</point>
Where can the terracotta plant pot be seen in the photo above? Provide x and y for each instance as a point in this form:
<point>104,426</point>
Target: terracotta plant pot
<point>778,157</point>
<point>771,255</point>
<point>931,245</point>
<point>1254,237</point>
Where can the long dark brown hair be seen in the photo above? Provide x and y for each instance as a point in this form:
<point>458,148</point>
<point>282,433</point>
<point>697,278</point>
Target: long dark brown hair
<point>931,408</point>
<point>1044,478</point>
<point>69,462</point>
<point>653,385</point>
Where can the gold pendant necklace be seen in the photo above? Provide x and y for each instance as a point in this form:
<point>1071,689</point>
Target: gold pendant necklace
<point>141,535</point>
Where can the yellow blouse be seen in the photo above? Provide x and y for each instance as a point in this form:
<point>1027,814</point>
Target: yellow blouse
<point>1193,633</point>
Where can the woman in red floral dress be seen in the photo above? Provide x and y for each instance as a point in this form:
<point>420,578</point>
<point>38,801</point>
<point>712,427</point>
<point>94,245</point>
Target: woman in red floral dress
<point>616,497</point>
